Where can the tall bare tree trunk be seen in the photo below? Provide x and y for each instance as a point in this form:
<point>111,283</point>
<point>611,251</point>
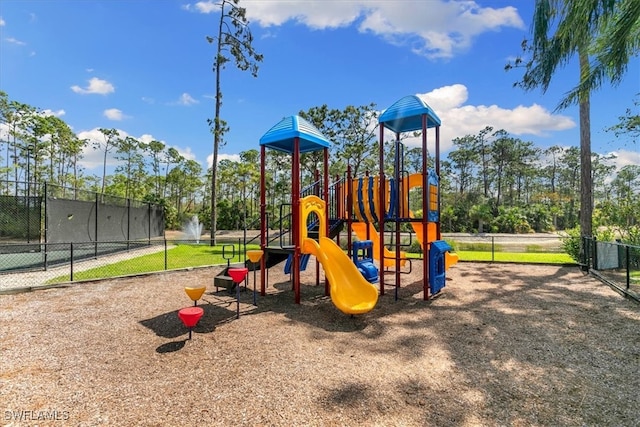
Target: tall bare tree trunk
<point>586,183</point>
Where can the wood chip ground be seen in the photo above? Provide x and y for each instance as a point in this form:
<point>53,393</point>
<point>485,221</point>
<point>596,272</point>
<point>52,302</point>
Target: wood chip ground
<point>502,345</point>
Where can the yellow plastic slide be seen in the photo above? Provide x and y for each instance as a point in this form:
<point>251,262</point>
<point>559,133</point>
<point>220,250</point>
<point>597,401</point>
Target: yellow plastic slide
<point>350,292</point>
<point>360,228</point>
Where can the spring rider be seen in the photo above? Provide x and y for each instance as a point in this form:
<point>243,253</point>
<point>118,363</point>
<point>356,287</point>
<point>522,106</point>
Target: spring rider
<point>237,274</point>
<point>255,256</point>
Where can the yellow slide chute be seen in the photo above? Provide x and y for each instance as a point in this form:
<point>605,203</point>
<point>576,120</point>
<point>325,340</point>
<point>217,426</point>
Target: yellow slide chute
<point>350,292</point>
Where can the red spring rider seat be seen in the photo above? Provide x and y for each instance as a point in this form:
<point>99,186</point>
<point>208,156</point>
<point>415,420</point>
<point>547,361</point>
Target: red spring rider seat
<point>237,275</point>
<point>190,316</point>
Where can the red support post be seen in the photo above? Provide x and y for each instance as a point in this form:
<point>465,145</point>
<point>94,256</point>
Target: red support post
<point>381,197</point>
<point>325,191</point>
<point>349,193</point>
<point>425,210</point>
<point>437,165</point>
<point>295,217</point>
<point>263,220</point>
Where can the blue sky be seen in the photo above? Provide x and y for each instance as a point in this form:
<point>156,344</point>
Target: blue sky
<point>144,67</point>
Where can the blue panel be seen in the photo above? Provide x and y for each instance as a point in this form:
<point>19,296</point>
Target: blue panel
<point>405,115</point>
<point>372,205</point>
<point>437,272</point>
<point>360,202</point>
<point>304,260</point>
<point>393,198</point>
<point>287,265</point>
<point>432,215</point>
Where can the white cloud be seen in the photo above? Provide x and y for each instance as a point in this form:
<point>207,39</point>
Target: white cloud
<point>95,86</point>
<point>232,157</point>
<point>186,152</point>
<point>94,158</point>
<point>435,29</point>
<point>625,158</point>
<point>4,131</point>
<point>114,114</point>
<point>2,22</point>
<point>13,40</point>
<point>58,113</point>
<point>186,99</point>
<point>147,138</point>
<point>459,119</point>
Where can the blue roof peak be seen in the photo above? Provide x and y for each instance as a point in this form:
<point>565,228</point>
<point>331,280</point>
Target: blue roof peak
<point>405,115</point>
<point>281,136</point>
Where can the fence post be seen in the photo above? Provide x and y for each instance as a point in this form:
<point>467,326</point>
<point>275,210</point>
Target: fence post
<point>128,223</point>
<point>628,266</point>
<point>95,225</point>
<point>165,254</point>
<point>493,248</point>
<point>46,223</point>
<point>71,263</point>
<point>595,253</point>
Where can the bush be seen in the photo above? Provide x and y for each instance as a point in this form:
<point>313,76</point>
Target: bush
<point>415,247</point>
<point>571,243</point>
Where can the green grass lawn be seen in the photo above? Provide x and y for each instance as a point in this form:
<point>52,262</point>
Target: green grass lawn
<point>184,256</point>
<point>529,257</point>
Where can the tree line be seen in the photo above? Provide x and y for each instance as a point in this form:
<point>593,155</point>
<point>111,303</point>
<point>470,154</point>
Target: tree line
<point>490,182</point>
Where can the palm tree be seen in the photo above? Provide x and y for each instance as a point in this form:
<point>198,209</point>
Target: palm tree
<point>583,28</point>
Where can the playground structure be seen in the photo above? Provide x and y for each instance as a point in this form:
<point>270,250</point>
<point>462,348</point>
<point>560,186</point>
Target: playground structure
<point>320,212</point>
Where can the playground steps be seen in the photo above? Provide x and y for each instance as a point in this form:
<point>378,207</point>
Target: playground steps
<point>335,227</point>
<point>223,280</point>
<point>275,255</point>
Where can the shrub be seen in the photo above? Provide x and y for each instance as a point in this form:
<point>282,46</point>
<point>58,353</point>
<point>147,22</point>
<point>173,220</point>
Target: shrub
<point>415,247</point>
<point>571,243</point>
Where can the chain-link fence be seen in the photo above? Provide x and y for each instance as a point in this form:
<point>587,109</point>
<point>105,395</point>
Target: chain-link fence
<point>493,245</point>
<point>616,263</point>
<point>57,263</point>
<point>45,213</point>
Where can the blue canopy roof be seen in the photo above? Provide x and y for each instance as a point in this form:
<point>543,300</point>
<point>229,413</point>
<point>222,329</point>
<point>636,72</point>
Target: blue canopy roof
<point>281,136</point>
<point>405,115</point>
